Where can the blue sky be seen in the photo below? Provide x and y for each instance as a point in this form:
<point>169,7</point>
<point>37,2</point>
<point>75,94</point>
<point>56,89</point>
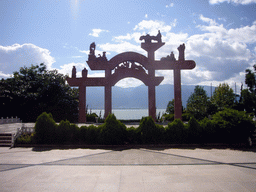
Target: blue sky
<point>220,35</point>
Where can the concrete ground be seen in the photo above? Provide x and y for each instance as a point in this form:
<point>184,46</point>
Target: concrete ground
<point>38,169</point>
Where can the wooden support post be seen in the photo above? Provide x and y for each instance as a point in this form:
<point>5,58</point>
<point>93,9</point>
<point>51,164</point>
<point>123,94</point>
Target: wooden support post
<point>177,95</point>
<point>82,104</point>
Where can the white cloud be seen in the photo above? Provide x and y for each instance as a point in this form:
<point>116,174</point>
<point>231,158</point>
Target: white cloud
<point>222,19</point>
<point>207,20</point>
<point>152,27</point>
<point>243,2</point>
<point>15,56</point>
<point>96,32</point>
<point>146,15</point>
<point>134,36</point>
<point>170,5</point>
<point>121,47</point>
<point>3,75</point>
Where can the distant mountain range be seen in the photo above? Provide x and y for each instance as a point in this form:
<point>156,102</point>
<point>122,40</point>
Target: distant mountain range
<point>137,97</point>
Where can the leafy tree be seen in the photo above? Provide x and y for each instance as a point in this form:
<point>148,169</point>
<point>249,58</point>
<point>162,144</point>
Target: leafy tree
<point>248,96</point>
<point>198,102</point>
<point>170,107</point>
<point>223,97</point>
<point>247,100</point>
<point>34,90</point>
<point>250,79</point>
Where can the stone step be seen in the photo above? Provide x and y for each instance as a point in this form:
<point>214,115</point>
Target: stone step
<point>5,139</point>
<point>5,144</point>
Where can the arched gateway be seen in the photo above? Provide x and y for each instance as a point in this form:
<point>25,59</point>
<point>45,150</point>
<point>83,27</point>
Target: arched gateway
<point>132,64</point>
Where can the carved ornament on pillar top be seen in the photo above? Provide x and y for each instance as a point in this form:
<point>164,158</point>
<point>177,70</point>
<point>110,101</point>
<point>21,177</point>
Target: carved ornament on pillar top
<point>84,73</point>
<point>181,50</point>
<point>74,72</point>
<point>150,46</point>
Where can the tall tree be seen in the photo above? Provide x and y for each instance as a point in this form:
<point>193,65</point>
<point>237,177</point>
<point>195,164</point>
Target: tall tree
<point>223,97</point>
<point>197,103</point>
<point>34,90</point>
<point>250,79</point>
<point>248,96</point>
<point>170,107</point>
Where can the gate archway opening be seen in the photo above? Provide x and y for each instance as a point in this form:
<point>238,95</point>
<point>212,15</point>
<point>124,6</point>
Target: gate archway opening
<point>132,99</point>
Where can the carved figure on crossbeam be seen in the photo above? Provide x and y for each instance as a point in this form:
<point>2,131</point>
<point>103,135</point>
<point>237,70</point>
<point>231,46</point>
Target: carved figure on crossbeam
<point>170,57</point>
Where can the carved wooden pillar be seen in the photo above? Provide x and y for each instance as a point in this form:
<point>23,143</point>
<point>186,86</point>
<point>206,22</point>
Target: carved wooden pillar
<point>177,95</point>
<point>82,104</point>
<point>108,100</point>
<point>152,101</point>
<point>108,94</point>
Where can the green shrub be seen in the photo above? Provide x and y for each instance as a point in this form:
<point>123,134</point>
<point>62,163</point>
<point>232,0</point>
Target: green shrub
<point>133,135</point>
<point>186,116</point>
<point>82,134</point>
<point>74,134</point>
<point>63,132</point>
<point>168,117</point>
<point>91,117</point>
<point>208,131</point>
<point>176,132</point>
<point>26,139</point>
<point>45,129</point>
<point>92,134</point>
<point>195,132</point>
<point>233,126</point>
<point>160,134</point>
<point>150,133</point>
<point>112,132</point>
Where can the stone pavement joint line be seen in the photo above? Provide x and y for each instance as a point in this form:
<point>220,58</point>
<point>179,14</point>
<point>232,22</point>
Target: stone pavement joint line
<point>110,158</point>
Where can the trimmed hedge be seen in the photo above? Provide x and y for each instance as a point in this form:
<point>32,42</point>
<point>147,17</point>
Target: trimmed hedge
<point>45,129</point>
<point>112,132</point>
<point>227,126</point>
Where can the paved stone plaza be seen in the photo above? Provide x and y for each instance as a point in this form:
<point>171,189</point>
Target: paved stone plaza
<point>37,169</point>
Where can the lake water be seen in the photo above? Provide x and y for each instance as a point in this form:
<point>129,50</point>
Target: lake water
<point>127,114</point>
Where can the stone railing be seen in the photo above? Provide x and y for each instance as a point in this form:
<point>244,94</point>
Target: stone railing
<point>21,131</point>
<point>10,120</point>
<point>27,130</point>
